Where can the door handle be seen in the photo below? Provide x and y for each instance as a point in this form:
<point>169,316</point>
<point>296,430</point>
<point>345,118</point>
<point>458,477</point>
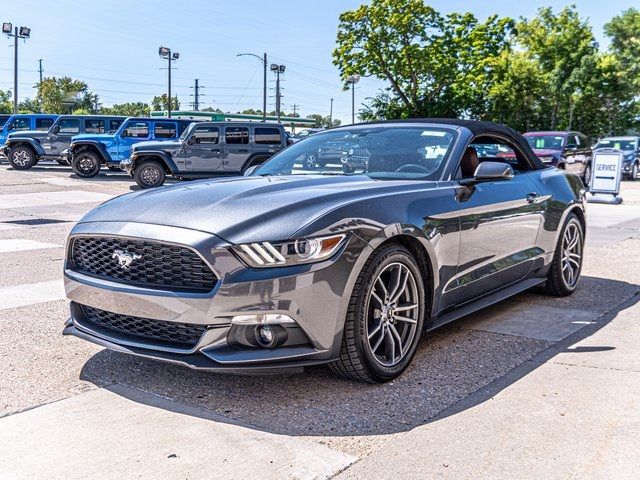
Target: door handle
<point>216,150</point>
<point>242,150</point>
<point>532,197</point>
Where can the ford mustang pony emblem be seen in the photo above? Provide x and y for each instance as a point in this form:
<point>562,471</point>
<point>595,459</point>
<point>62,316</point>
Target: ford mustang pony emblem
<point>125,258</point>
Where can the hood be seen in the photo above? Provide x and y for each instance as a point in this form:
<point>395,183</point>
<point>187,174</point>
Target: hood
<point>29,133</point>
<point>546,152</point>
<point>155,145</point>
<point>247,209</point>
<point>102,137</point>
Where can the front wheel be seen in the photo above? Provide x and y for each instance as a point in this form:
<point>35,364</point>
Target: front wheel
<point>633,176</point>
<point>86,164</point>
<point>566,265</point>
<point>384,318</point>
<point>149,174</point>
<point>22,158</point>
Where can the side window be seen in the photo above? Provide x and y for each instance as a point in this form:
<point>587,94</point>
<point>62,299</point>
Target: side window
<point>494,149</point>
<point>44,123</point>
<point>69,126</point>
<point>267,136</point>
<point>583,141</point>
<point>572,142</point>
<point>236,135</point>
<point>206,134</point>
<point>165,130</point>
<point>138,129</point>
<point>94,125</point>
<point>18,124</point>
<point>114,125</point>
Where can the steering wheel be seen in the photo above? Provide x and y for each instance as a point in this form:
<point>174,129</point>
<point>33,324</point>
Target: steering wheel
<point>413,168</point>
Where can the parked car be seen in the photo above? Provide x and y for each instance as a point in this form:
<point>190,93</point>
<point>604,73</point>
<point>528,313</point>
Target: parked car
<point>87,152</point>
<point>205,149</point>
<point>285,268</point>
<point>630,147</point>
<point>23,122</point>
<point>302,134</point>
<point>26,148</point>
<point>566,150</point>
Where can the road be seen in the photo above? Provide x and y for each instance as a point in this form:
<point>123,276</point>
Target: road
<point>536,387</point>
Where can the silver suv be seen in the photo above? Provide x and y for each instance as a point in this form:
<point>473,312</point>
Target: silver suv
<point>205,149</point>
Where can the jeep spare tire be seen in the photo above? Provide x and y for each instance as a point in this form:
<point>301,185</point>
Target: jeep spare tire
<point>86,164</point>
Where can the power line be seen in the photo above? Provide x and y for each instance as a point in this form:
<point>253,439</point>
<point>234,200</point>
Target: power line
<point>196,95</point>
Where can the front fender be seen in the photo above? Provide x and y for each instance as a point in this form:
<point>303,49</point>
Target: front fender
<point>32,142</point>
<point>163,157</point>
<point>98,146</point>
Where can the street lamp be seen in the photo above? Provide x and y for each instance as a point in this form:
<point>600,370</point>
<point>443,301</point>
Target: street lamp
<point>277,69</point>
<point>352,80</point>
<point>165,54</point>
<point>24,33</point>
<point>264,80</point>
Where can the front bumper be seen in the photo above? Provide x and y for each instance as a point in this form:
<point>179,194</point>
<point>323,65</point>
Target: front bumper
<point>127,166</point>
<point>315,296</point>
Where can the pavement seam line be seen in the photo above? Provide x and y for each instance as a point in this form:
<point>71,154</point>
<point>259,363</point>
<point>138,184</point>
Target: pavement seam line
<point>596,367</point>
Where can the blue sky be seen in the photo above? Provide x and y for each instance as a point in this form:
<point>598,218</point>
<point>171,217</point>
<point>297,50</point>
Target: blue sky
<point>112,45</point>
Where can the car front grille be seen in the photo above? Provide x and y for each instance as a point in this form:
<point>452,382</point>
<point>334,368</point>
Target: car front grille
<point>181,335</point>
<point>142,263</point>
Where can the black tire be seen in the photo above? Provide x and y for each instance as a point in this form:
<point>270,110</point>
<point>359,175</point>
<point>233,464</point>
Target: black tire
<point>86,164</point>
<point>22,157</point>
<point>557,283</point>
<point>113,168</point>
<point>587,175</point>
<point>357,359</point>
<point>347,168</point>
<point>149,174</point>
<point>633,176</point>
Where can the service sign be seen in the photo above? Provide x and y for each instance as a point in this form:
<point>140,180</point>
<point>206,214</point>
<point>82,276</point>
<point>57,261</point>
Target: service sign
<point>606,172</point>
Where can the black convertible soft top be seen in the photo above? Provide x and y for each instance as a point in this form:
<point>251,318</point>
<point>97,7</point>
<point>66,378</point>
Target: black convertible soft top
<point>478,127</point>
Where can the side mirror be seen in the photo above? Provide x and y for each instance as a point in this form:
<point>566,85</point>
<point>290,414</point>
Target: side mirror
<point>191,140</point>
<point>125,133</point>
<point>250,170</point>
<point>55,129</point>
<point>490,171</point>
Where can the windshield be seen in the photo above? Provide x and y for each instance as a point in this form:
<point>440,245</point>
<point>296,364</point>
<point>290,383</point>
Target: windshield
<point>544,142</point>
<point>379,152</point>
<point>618,144</point>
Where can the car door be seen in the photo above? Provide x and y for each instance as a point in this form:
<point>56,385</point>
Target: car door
<point>202,149</point>
<point>267,141</point>
<point>60,136</point>
<point>236,149</point>
<point>499,223</point>
<point>134,131</point>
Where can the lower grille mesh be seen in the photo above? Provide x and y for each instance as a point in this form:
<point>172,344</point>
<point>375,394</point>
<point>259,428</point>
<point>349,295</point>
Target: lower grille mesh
<point>180,334</point>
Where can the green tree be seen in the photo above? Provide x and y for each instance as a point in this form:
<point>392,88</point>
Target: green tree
<point>161,103</point>
<point>324,121</point>
<point>130,109</point>
<point>624,32</point>
<point>29,105</point>
<point>60,95</point>
<point>6,104</point>
<point>435,65</point>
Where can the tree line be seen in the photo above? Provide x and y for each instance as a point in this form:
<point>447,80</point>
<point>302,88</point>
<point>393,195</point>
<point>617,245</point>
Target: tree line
<point>543,73</point>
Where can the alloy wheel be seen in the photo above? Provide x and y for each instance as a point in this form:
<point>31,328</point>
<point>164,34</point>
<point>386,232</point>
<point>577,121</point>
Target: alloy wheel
<point>21,158</point>
<point>86,164</point>
<point>392,314</point>
<point>149,175</point>
<point>571,254</point>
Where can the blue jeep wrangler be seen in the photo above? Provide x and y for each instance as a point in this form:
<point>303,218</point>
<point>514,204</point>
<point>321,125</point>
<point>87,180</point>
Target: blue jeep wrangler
<point>26,148</point>
<point>28,121</point>
<point>87,153</point>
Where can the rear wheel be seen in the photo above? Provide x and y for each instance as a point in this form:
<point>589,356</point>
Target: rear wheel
<point>22,157</point>
<point>567,261</point>
<point>86,164</point>
<point>149,174</point>
<point>384,319</point>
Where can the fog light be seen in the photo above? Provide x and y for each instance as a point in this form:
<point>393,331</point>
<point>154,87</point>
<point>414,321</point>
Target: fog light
<point>265,335</point>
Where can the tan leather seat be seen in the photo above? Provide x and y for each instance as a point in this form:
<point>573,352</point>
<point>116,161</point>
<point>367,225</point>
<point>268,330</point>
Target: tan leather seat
<point>469,162</point>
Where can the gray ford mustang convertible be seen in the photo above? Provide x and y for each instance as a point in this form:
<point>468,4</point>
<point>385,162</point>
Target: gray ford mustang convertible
<point>418,223</point>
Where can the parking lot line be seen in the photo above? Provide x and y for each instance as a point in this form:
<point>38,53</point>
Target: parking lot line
<point>38,199</point>
<point>31,294</point>
<point>21,244</point>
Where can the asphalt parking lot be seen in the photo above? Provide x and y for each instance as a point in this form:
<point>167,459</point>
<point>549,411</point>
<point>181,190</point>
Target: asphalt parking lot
<point>554,383</point>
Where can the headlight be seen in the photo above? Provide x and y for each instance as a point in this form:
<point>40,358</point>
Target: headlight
<point>294,252</point>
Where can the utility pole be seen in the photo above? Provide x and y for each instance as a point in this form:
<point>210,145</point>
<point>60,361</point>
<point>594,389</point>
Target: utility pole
<point>196,95</point>
<point>331,114</point>
<point>278,69</point>
<point>352,80</point>
<point>263,59</point>
<point>166,54</point>
<point>40,83</point>
<point>24,33</point>
<point>295,108</point>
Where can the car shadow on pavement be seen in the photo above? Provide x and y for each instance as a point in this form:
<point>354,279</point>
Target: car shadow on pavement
<point>455,368</point>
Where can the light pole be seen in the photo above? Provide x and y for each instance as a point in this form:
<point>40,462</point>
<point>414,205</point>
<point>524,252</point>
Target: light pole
<point>352,80</point>
<point>263,59</point>
<point>166,54</point>
<point>277,69</point>
<point>24,33</point>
